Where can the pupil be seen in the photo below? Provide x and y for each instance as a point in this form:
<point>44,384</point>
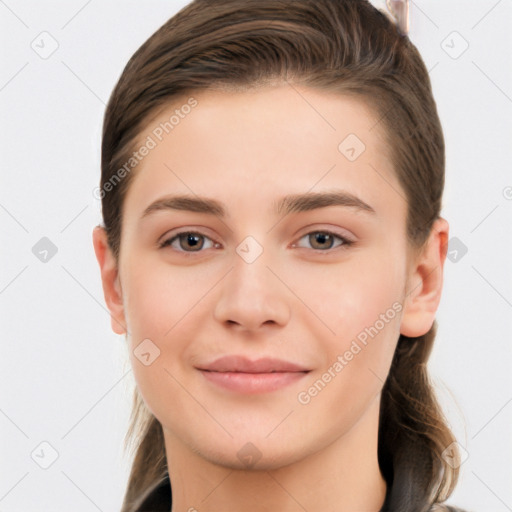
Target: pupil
<point>321,238</point>
<point>193,240</point>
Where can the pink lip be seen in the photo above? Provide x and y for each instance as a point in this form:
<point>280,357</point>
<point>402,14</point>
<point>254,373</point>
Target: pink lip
<point>237,373</point>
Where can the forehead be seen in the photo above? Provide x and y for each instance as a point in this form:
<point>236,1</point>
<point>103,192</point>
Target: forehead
<point>281,139</point>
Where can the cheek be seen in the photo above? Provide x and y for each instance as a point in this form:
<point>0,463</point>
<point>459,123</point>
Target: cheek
<point>162,306</point>
<point>360,305</point>
<point>357,359</point>
<point>159,297</point>
<point>348,297</point>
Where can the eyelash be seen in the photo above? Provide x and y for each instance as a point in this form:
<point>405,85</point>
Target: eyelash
<point>346,243</point>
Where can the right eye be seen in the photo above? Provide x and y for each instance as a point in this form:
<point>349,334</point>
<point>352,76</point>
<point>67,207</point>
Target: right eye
<point>185,240</point>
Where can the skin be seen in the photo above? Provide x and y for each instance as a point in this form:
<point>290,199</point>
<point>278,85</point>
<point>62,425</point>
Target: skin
<point>298,301</point>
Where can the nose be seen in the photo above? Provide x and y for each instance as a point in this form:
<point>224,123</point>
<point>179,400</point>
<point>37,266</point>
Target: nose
<point>252,296</point>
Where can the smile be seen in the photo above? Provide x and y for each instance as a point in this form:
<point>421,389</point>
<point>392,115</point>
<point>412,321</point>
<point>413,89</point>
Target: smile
<point>242,375</point>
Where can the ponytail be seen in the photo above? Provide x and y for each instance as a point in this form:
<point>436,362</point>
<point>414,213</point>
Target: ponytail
<point>413,432</point>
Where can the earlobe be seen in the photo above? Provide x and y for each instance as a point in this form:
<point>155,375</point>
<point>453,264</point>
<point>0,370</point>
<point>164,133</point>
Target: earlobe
<point>425,283</point>
<point>112,290</point>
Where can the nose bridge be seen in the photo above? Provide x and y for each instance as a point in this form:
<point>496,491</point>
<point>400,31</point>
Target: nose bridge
<point>251,295</point>
<point>251,264</point>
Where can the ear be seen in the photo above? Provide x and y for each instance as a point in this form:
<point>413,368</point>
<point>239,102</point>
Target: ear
<point>425,283</point>
<point>110,280</point>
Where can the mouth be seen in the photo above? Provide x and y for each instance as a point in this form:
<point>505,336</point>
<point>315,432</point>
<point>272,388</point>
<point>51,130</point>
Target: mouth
<point>242,375</point>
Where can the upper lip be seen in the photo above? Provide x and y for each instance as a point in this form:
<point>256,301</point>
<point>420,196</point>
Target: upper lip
<point>243,364</point>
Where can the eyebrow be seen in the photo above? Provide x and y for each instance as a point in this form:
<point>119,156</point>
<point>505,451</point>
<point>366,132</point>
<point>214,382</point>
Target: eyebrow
<point>288,204</point>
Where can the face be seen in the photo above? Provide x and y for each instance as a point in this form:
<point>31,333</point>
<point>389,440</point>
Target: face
<point>293,266</point>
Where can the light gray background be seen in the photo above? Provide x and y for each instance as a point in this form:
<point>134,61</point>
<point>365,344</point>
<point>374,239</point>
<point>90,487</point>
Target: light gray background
<point>65,376</point>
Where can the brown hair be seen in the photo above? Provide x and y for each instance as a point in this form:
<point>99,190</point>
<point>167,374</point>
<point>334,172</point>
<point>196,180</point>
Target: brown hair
<point>347,46</point>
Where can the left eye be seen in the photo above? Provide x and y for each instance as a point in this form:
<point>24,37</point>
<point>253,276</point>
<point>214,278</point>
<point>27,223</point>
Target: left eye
<point>324,240</point>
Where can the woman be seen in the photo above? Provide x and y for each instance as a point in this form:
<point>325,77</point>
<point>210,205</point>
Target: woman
<point>272,248</point>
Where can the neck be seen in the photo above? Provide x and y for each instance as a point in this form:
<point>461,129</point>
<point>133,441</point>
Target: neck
<point>343,477</point>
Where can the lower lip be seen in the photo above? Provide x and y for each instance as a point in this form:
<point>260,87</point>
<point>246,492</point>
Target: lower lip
<point>250,383</point>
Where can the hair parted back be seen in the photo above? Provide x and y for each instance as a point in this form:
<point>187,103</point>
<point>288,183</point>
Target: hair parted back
<point>343,46</point>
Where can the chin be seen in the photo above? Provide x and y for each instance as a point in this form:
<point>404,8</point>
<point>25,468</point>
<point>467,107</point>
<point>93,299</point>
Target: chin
<point>257,455</point>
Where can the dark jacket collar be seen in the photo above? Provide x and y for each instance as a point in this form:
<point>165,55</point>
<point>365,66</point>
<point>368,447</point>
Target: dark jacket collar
<point>157,498</point>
